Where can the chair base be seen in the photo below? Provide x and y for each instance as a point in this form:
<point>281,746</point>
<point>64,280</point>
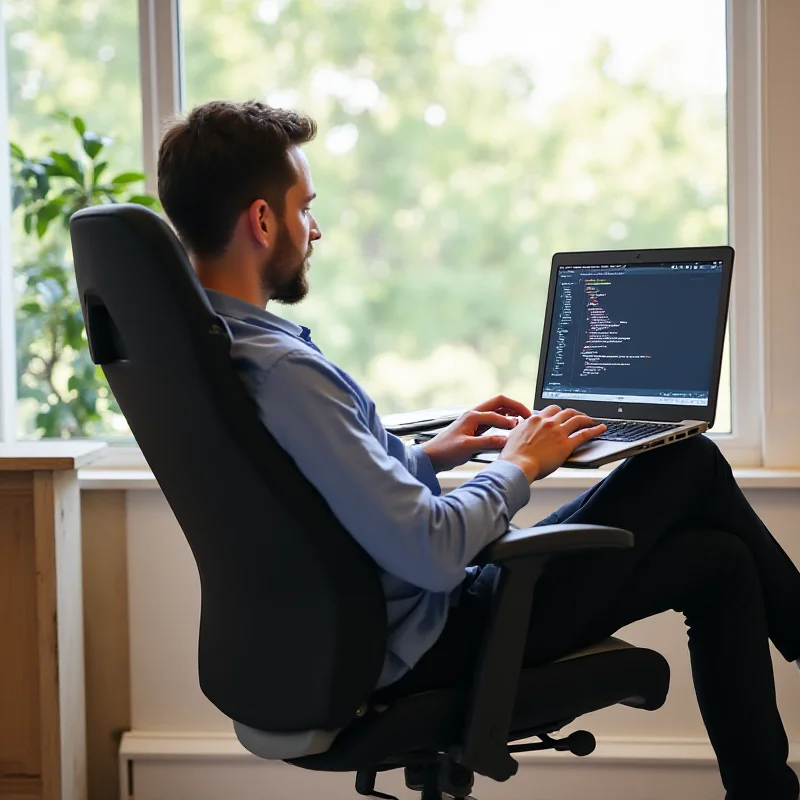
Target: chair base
<point>443,778</point>
<point>436,777</point>
<point>439,777</point>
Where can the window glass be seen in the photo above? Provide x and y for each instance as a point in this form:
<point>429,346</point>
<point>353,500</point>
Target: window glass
<point>66,60</point>
<point>461,144</point>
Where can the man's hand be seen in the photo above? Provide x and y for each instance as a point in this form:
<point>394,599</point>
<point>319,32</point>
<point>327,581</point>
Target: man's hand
<point>541,443</point>
<point>461,439</point>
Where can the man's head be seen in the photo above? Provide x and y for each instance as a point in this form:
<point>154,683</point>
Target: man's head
<point>237,188</point>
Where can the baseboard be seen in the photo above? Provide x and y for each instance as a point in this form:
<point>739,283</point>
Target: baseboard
<point>208,766</point>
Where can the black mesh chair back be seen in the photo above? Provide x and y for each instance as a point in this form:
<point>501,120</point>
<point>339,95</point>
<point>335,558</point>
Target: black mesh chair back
<point>293,627</point>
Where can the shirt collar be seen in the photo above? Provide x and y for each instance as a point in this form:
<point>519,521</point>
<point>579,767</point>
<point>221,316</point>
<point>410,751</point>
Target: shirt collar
<point>239,309</point>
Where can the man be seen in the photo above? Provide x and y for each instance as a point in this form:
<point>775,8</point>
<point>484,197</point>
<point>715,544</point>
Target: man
<point>237,187</point>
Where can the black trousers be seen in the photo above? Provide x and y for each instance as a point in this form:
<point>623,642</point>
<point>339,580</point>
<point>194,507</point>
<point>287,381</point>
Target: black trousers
<point>700,549</point>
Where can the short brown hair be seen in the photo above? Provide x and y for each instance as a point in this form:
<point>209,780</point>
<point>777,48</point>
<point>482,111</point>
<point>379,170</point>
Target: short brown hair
<point>214,163</point>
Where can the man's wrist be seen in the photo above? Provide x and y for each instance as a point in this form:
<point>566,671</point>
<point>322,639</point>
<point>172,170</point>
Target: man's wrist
<point>529,466</point>
<point>426,447</point>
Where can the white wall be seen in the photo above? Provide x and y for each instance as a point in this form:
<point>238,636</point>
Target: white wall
<point>164,615</point>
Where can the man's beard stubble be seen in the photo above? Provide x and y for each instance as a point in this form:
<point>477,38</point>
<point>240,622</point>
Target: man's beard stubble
<point>292,285</point>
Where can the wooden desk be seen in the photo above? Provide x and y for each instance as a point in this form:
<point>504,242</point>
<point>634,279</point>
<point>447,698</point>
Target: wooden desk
<point>42,711</point>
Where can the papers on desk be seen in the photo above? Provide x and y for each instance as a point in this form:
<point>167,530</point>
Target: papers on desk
<point>424,419</point>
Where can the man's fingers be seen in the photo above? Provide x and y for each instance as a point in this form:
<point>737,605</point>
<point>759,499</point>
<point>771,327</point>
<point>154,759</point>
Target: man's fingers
<point>567,413</point>
<point>491,419</point>
<point>587,434</point>
<point>550,411</point>
<point>491,405</point>
<point>504,405</point>
<point>524,412</point>
<point>514,408</point>
<point>577,422</point>
<point>488,442</point>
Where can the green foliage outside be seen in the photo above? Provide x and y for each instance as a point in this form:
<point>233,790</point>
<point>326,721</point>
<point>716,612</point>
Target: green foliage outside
<point>442,196</point>
<point>429,281</point>
<point>68,395</point>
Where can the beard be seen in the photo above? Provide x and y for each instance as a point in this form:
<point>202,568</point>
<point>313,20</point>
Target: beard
<point>285,275</point>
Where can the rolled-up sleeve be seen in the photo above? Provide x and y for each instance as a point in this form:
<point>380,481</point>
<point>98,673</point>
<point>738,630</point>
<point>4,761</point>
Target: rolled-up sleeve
<point>392,506</point>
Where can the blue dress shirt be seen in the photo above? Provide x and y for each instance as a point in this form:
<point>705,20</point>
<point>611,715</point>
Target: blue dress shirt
<point>385,494</point>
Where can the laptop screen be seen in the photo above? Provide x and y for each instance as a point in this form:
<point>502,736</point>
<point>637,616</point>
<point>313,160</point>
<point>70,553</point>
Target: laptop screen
<point>634,333</point>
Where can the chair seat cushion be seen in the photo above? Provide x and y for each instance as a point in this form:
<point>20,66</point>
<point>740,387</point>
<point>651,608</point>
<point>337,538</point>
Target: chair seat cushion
<point>281,746</point>
<point>548,696</point>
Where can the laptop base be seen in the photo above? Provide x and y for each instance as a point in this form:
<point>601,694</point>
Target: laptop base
<point>596,453</point>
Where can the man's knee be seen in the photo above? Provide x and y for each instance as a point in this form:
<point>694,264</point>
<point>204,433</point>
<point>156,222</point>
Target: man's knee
<point>697,447</point>
<point>701,445</point>
<point>720,580</point>
<point>699,452</point>
<point>730,560</point>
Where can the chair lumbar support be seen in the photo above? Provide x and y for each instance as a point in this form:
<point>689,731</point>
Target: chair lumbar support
<point>579,743</point>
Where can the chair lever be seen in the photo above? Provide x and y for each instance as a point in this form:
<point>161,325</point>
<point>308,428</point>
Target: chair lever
<point>579,743</point>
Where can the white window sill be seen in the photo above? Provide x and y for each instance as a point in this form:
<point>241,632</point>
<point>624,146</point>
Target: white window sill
<point>748,478</point>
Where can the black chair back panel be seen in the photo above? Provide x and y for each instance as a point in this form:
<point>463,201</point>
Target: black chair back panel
<point>293,621</point>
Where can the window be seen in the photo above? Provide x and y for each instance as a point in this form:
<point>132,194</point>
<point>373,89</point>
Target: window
<point>461,145</point>
<point>81,58</point>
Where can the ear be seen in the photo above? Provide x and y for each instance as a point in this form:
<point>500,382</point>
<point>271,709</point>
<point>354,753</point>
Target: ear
<point>262,222</point>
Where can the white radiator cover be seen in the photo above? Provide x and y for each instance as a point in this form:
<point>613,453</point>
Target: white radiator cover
<point>198,766</point>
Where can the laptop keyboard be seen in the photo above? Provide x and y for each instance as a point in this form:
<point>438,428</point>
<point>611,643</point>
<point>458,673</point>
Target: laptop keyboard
<point>631,431</point>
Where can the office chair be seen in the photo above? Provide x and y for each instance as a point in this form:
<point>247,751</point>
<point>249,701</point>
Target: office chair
<point>293,625</point>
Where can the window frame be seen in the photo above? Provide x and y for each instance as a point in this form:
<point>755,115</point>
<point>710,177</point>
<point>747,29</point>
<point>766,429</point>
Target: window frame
<point>743,446</point>
<point>8,360</point>
<point>755,440</point>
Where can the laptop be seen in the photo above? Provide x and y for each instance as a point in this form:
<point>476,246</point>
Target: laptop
<point>634,339</point>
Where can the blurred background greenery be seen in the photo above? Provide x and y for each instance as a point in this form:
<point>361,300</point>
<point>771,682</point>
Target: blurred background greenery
<point>462,143</point>
<point>66,394</point>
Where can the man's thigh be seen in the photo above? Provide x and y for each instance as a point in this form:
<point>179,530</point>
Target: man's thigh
<point>649,495</point>
<point>685,566</point>
<point>662,487</point>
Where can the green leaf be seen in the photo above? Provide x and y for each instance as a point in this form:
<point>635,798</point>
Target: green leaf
<point>60,115</point>
<point>42,186</point>
<point>37,172</point>
<point>17,197</point>
<point>144,200</point>
<point>73,328</point>
<point>127,177</point>
<point>48,422</point>
<point>16,151</point>
<point>79,125</point>
<point>27,222</point>
<point>99,168</point>
<point>31,308</point>
<point>92,144</point>
<point>65,166</point>
<point>47,213</point>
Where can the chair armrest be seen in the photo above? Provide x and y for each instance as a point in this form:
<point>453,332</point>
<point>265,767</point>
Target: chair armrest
<point>521,556</point>
<point>552,539</point>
